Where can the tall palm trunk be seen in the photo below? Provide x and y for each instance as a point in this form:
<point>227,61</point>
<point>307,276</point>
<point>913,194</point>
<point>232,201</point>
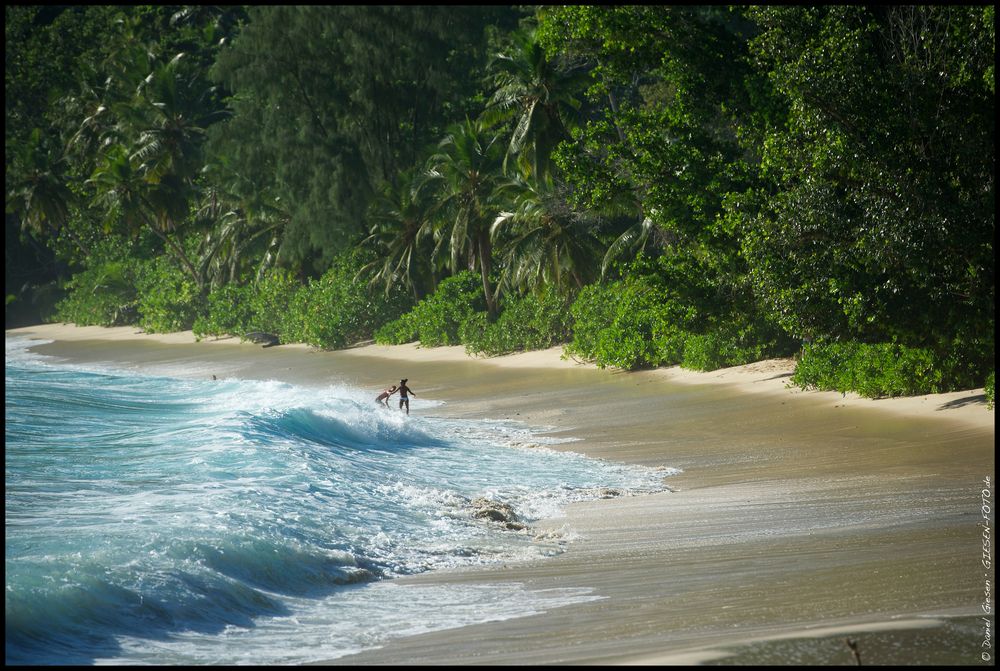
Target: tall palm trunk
<point>485,266</point>
<point>182,257</point>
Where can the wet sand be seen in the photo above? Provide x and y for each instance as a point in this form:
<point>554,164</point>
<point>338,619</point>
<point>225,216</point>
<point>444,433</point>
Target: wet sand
<point>800,518</point>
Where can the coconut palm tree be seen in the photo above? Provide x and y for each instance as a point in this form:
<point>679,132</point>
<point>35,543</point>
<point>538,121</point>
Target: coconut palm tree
<point>541,241</point>
<point>239,236</point>
<point>640,237</point>
<point>399,230</point>
<point>41,198</point>
<point>464,176</point>
<point>170,112</point>
<point>121,190</point>
<point>151,132</point>
<point>538,97</point>
<point>127,197</point>
<point>244,222</point>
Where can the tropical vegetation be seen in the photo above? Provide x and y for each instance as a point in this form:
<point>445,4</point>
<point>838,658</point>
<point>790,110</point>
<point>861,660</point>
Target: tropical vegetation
<point>644,185</point>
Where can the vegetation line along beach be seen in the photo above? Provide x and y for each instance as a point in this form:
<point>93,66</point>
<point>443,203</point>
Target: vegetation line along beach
<point>648,185</point>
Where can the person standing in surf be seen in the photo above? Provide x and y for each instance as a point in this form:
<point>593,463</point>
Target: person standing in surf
<point>404,393</point>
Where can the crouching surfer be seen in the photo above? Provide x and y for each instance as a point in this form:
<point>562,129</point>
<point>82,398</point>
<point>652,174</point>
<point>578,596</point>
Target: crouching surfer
<point>383,398</point>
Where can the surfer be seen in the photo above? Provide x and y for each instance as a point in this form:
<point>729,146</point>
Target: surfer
<point>404,398</point>
<point>383,398</point>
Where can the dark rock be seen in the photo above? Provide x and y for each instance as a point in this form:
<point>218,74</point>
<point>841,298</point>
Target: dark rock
<point>265,339</point>
<point>495,511</point>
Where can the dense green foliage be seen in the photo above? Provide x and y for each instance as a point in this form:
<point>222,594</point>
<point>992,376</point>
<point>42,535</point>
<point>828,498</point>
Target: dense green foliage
<point>102,295</point>
<point>534,321</point>
<point>438,318</point>
<point>228,312</point>
<point>882,225</point>
<point>337,309</point>
<point>167,298</point>
<point>631,323</point>
<point>658,314</point>
<point>331,312</point>
<point>874,371</point>
<point>650,185</point>
<point>334,118</point>
<point>990,390</point>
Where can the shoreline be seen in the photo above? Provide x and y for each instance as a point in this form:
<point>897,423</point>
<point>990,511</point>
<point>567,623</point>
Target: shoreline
<point>767,377</point>
<point>796,511</point>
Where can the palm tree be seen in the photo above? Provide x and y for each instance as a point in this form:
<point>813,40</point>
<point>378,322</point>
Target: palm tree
<point>151,131</point>
<point>245,222</point>
<point>41,198</point>
<point>542,241</point>
<point>538,96</point>
<point>172,109</point>
<point>635,239</point>
<point>465,175</point>
<point>398,232</point>
<point>121,190</point>
<point>128,197</point>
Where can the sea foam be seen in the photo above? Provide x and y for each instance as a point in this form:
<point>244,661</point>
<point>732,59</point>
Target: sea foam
<point>154,519</point>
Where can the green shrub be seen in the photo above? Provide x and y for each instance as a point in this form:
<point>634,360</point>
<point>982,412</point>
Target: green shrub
<point>591,313</point>
<point>535,321</point>
<point>103,295</point>
<point>969,355</point>
<point>399,331</point>
<point>632,323</point>
<point>988,389</point>
<point>331,312</point>
<point>169,299</point>
<point>271,298</point>
<point>336,310</point>
<point>872,370</point>
<point>436,319</point>
<point>228,311</point>
<point>709,351</point>
<point>735,344</point>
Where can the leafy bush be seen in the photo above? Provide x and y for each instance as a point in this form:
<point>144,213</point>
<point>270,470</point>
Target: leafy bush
<point>168,299</point>
<point>399,331</point>
<point>436,319</point>
<point>527,323</point>
<point>228,311</point>
<point>336,310</point>
<point>271,298</point>
<point>872,370</point>
<point>331,312</point>
<point>591,312</point>
<point>632,323</point>
<point>735,344</point>
<point>711,351</point>
<point>988,388</point>
<point>103,295</point>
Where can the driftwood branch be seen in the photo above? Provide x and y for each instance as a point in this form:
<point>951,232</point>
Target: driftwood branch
<point>853,645</point>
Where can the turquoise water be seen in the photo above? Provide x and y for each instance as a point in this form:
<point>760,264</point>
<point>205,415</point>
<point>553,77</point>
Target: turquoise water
<point>156,520</point>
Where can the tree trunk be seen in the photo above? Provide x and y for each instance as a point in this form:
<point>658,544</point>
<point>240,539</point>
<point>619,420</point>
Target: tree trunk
<point>181,256</point>
<point>485,265</point>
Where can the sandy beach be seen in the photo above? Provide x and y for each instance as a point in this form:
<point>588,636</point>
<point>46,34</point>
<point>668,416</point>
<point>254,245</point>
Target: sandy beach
<point>799,518</point>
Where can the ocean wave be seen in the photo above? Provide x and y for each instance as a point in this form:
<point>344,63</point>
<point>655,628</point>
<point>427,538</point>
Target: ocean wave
<point>159,519</point>
<point>357,428</point>
<point>284,569</point>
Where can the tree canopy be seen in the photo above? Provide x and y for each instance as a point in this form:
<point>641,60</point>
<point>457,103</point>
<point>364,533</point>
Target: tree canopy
<point>741,178</point>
